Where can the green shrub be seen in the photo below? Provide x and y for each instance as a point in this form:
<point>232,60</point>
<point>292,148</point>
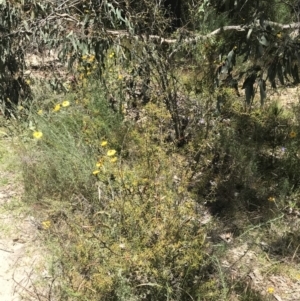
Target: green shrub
<point>61,162</point>
<point>252,159</point>
<point>126,227</point>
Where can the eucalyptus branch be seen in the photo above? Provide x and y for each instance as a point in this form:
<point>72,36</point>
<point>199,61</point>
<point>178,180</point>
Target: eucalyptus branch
<point>218,31</point>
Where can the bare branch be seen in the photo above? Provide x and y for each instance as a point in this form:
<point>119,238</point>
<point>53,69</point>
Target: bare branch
<point>218,31</point>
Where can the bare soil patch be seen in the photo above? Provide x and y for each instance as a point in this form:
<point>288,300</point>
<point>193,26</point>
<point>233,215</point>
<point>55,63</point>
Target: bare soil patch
<point>22,254</point>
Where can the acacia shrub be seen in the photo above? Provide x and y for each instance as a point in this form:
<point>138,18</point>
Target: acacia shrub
<point>114,192</point>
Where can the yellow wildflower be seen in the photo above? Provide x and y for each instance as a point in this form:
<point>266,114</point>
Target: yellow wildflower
<point>46,224</point>
<point>270,290</point>
<point>120,77</point>
<point>271,199</point>
<point>111,153</point>
<point>27,81</point>
<point>114,159</point>
<point>104,143</point>
<point>40,112</point>
<point>95,172</point>
<point>56,108</point>
<point>111,55</point>
<point>99,163</point>
<point>84,57</point>
<point>37,135</point>
<point>65,103</point>
<point>91,59</point>
<point>292,134</point>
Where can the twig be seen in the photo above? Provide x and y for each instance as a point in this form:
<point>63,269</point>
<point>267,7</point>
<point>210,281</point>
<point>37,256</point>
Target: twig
<point>8,251</point>
<point>22,286</point>
<point>50,288</point>
<point>295,253</point>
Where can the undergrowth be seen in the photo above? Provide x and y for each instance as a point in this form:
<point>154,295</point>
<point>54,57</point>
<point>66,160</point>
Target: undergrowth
<point>125,203</point>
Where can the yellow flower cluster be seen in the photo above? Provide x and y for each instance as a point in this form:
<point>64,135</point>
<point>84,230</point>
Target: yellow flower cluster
<point>114,159</point>
<point>271,199</point>
<point>292,134</point>
<point>58,106</point>
<point>111,155</point>
<point>88,58</point>
<point>65,103</point>
<point>37,135</point>
<point>46,224</point>
<point>86,67</point>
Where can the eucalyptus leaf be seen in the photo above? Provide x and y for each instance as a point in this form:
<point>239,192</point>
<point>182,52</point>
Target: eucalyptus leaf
<point>69,34</point>
<point>249,33</point>
<point>249,86</point>
<point>288,64</point>
<point>74,42</point>
<point>262,90</point>
<point>272,75</point>
<point>295,74</point>
<point>231,59</point>
<point>263,41</point>
<point>249,92</point>
<point>260,50</point>
<point>86,20</point>
<point>25,24</point>
<point>280,73</point>
<point>118,14</point>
